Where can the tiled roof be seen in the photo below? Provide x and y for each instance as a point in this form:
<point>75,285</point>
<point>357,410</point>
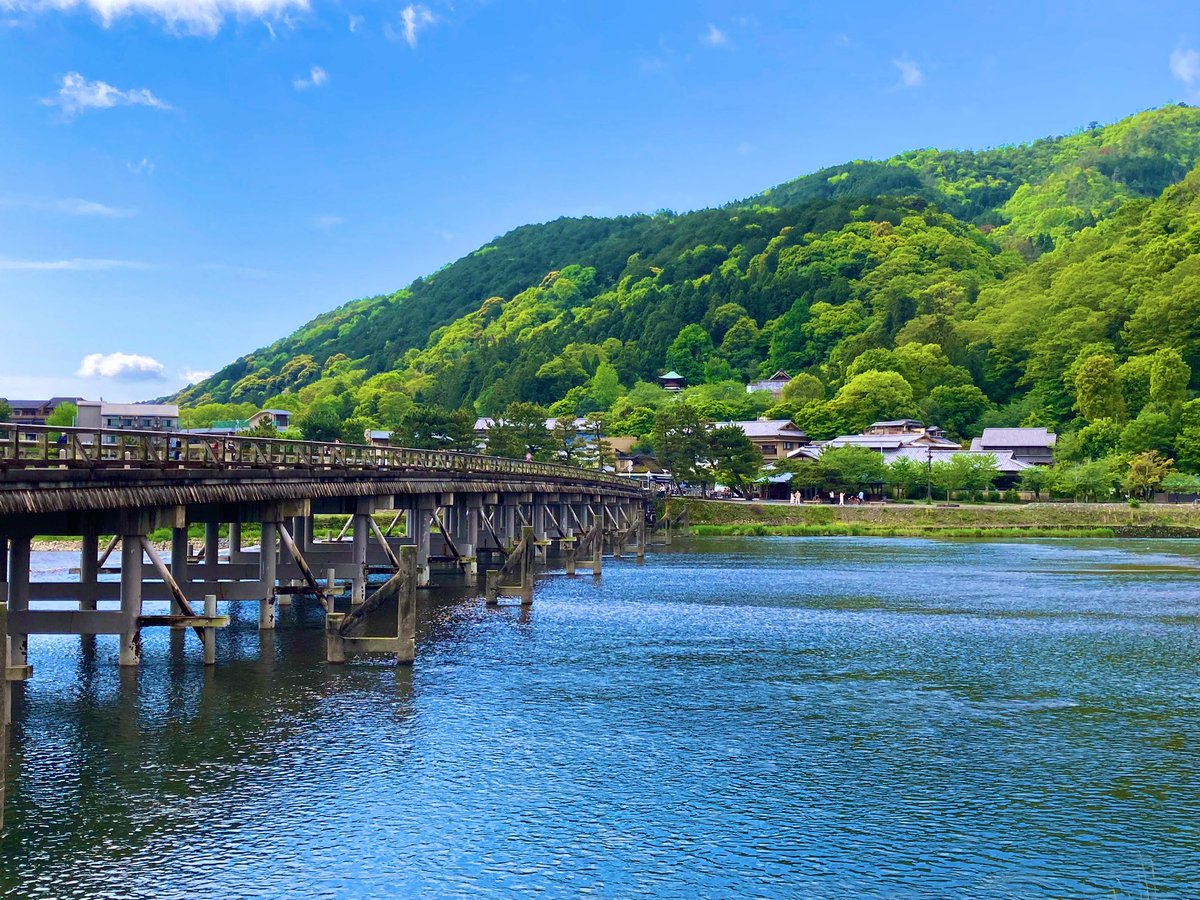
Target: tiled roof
<point>1016,437</point>
<point>780,428</point>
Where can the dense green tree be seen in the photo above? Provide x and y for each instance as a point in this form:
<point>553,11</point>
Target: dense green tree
<point>1169,377</point>
<point>63,414</point>
<point>802,390</point>
<point>681,441</point>
<point>1097,390</point>
<point>1037,479</point>
<point>321,422</point>
<point>873,396</point>
<point>5,411</point>
<point>956,409</point>
<point>906,476</point>
<point>852,467</point>
<point>689,352</point>
<point>1151,430</point>
<point>1146,473</point>
<point>735,459</point>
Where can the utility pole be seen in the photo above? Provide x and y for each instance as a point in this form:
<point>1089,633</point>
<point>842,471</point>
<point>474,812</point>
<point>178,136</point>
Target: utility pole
<point>928,474</point>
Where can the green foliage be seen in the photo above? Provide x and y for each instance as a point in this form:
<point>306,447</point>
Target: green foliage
<point>5,411</point>
<point>681,440</point>
<point>321,422</point>
<point>1037,479</point>
<point>63,414</point>
<point>734,458</point>
<point>1021,285</point>
<point>851,467</point>
<point>1146,473</point>
<point>873,396</point>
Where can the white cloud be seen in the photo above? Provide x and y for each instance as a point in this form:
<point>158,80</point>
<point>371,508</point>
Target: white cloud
<point>316,77</point>
<point>1185,65</point>
<point>714,37</point>
<point>355,23</point>
<point>191,376</point>
<point>122,366</point>
<point>142,167</point>
<point>71,206</point>
<point>76,264</point>
<point>910,73</point>
<point>413,18</point>
<point>76,94</point>
<point>328,222</point>
<point>193,16</point>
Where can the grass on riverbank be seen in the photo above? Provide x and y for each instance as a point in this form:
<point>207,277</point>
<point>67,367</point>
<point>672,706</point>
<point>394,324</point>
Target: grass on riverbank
<point>713,517</point>
<point>853,529</point>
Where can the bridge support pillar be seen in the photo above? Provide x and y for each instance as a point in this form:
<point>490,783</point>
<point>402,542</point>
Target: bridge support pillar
<point>18,598</point>
<point>89,568</point>
<point>424,509</point>
<point>235,542</point>
<point>268,560</point>
<point>471,513</point>
<point>131,599</point>
<point>361,536</point>
<point>641,533</point>
<point>212,543</point>
<point>179,561</point>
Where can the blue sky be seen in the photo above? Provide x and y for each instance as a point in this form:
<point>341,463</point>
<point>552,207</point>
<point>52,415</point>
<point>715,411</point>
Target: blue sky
<point>182,181</point>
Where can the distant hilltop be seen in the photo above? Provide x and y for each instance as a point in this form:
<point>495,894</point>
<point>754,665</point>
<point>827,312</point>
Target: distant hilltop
<point>1025,285</point>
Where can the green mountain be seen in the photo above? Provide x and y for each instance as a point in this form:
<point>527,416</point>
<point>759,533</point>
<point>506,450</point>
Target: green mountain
<point>967,286</point>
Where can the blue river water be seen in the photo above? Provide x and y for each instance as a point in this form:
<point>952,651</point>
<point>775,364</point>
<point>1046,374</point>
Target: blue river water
<point>777,717</point>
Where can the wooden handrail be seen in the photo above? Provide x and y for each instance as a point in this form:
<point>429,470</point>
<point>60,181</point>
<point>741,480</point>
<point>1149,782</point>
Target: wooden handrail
<point>31,447</point>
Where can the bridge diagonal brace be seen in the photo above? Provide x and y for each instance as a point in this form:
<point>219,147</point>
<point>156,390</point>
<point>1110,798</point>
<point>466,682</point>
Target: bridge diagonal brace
<point>436,519</point>
<point>384,544</point>
<point>176,591</point>
<point>492,531</point>
<point>302,564</point>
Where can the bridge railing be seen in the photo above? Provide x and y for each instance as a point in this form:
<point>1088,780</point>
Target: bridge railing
<point>58,447</point>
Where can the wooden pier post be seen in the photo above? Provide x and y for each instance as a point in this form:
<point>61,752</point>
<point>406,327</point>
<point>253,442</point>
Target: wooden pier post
<point>267,569</point>
<point>528,558</point>
<point>641,535</point>
<point>491,589</point>
<point>358,584</point>
<point>406,608</point>
<point>131,599</point>
<point>18,601</point>
<point>598,548</point>
<point>210,633</point>
<point>335,645</point>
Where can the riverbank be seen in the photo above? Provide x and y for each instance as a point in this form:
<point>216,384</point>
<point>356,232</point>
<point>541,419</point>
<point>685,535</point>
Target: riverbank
<point>720,517</point>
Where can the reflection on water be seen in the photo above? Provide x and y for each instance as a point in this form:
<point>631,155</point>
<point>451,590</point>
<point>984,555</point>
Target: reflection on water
<point>804,717</point>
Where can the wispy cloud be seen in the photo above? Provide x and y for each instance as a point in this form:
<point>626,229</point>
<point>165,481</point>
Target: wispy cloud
<point>714,37</point>
<point>413,19</point>
<point>76,94</point>
<point>70,206</point>
<point>193,16</point>
<point>327,223</point>
<point>74,264</point>
<point>355,23</point>
<point>911,75</point>
<point>316,77</point>
<point>122,366</point>
<point>1185,65</point>
<point>141,167</point>
<point>191,376</point>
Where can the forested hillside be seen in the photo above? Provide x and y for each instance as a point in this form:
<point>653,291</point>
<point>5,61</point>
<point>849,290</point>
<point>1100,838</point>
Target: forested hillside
<point>1031,284</point>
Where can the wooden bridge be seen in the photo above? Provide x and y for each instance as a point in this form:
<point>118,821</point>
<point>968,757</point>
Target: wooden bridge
<point>447,514</point>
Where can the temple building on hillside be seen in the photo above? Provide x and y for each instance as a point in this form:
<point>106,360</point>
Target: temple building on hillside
<point>672,382</point>
<point>774,384</point>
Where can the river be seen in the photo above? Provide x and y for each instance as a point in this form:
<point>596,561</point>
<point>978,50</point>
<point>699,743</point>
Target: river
<point>807,717</point>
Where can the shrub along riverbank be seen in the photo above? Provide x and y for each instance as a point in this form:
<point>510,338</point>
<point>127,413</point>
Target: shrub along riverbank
<point>715,517</point>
